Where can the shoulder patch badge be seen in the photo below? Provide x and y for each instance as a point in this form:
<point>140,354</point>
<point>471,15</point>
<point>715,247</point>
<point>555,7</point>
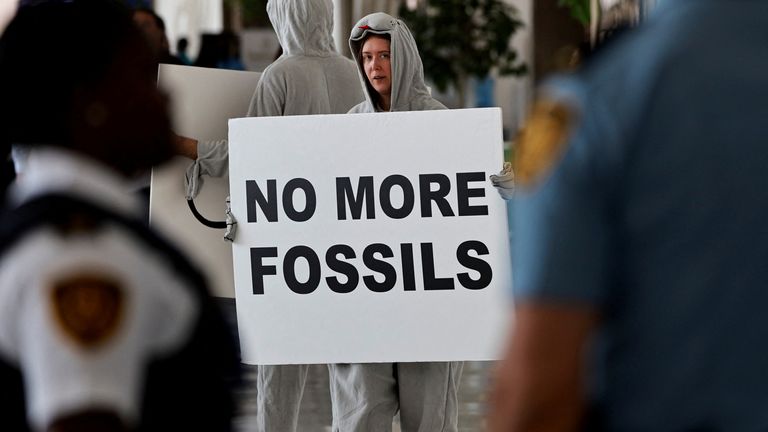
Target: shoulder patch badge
<point>88,308</point>
<point>542,142</point>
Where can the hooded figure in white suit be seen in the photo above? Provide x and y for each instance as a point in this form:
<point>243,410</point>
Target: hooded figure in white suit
<point>366,397</point>
<point>309,78</point>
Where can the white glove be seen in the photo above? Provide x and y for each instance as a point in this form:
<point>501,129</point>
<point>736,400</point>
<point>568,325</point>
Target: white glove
<point>229,234</point>
<point>212,160</point>
<point>504,181</point>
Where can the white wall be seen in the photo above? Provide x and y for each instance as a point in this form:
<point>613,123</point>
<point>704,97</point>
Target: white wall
<point>339,30</point>
<point>514,95</point>
<point>183,18</point>
<point>190,18</point>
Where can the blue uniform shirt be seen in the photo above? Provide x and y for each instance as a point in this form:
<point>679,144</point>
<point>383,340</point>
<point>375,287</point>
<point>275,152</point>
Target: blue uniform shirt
<point>657,216</point>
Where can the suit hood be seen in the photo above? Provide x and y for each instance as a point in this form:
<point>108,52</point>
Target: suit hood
<point>303,27</point>
<point>409,92</point>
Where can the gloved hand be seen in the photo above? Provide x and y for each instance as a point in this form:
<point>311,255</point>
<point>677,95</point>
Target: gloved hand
<point>212,160</point>
<point>504,181</point>
<point>229,234</point>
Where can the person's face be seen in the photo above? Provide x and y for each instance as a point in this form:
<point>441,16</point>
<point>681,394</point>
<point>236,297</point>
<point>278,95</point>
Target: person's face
<point>377,64</point>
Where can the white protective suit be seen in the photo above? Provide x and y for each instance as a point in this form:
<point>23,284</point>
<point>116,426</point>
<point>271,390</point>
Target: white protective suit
<point>366,397</point>
<point>309,78</point>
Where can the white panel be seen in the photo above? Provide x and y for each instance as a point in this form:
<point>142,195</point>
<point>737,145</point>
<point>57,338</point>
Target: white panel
<point>203,100</point>
<point>190,18</point>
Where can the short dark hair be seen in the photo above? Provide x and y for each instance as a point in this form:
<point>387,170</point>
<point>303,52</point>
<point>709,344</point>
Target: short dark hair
<point>360,44</point>
<point>158,20</point>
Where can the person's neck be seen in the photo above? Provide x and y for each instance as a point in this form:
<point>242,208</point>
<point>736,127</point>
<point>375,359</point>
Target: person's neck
<point>384,102</point>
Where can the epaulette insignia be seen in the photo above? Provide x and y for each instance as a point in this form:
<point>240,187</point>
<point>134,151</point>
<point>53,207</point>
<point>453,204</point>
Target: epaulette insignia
<point>542,142</point>
<point>88,308</point>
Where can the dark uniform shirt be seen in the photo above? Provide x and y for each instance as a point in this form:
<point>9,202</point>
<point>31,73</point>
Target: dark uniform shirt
<point>97,312</point>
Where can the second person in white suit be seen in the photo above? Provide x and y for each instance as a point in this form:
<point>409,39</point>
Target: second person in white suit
<point>310,77</point>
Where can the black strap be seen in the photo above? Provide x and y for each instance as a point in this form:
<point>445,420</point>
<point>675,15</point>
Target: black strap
<point>202,219</point>
<point>53,209</point>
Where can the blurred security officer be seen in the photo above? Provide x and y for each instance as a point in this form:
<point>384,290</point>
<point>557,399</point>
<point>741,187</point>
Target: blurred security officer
<point>641,242</point>
<point>103,326</point>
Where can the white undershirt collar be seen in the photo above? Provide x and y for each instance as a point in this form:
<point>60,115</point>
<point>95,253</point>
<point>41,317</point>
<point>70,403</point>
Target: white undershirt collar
<point>57,170</point>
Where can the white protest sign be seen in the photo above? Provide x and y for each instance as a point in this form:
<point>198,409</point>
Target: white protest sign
<point>369,237</point>
<point>203,101</point>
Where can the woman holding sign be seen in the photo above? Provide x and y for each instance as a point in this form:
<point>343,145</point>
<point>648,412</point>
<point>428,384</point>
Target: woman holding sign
<point>366,397</point>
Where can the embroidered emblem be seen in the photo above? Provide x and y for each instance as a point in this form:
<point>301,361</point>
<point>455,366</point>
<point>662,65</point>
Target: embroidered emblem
<point>88,308</point>
<point>542,142</point>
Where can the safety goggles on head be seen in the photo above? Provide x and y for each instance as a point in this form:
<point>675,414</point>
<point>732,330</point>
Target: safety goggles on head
<point>378,23</point>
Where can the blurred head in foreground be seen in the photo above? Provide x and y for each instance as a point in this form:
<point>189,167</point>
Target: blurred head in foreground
<point>92,91</point>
